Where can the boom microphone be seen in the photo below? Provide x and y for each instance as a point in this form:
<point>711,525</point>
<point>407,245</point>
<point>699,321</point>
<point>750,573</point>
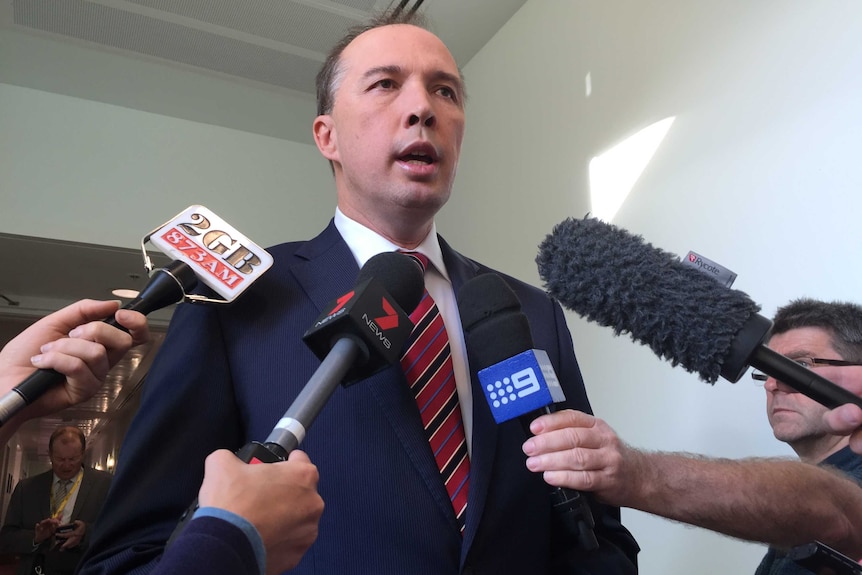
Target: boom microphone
<point>517,380</point>
<point>206,248</point>
<point>616,279</point>
<point>357,335</point>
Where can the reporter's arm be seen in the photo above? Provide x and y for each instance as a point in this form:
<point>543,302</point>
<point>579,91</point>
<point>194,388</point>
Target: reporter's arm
<point>775,501</point>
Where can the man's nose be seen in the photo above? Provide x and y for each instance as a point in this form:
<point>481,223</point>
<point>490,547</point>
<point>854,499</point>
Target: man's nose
<point>772,385</point>
<point>419,109</point>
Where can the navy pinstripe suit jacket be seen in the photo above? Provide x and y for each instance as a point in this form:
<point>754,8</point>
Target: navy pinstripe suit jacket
<point>224,377</point>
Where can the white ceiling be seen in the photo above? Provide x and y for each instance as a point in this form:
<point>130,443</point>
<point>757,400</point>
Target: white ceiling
<point>276,46</point>
<point>158,56</point>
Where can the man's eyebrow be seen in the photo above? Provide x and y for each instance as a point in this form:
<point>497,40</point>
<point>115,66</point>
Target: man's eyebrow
<point>391,69</point>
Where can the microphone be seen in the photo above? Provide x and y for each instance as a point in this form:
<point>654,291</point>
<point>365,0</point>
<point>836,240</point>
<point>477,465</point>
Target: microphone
<point>357,335</point>
<point>517,380</point>
<point>206,248</point>
<point>616,279</point>
<point>371,315</point>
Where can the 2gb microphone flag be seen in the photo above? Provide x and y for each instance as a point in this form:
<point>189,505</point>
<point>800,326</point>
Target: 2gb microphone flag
<point>222,257</point>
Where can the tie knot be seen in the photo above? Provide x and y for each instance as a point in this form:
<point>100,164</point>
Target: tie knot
<point>420,259</point>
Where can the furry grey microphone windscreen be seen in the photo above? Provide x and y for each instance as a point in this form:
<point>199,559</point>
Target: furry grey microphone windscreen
<point>400,276</point>
<point>616,279</point>
<point>495,328</point>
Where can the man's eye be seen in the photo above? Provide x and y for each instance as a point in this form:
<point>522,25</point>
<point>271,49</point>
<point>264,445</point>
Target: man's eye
<point>448,92</point>
<point>386,84</point>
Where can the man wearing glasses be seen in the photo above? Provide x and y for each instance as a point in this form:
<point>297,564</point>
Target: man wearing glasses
<point>779,502</point>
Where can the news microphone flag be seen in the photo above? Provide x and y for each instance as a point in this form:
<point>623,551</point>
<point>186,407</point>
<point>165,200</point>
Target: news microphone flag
<point>223,258</point>
<point>520,384</point>
<point>373,318</point>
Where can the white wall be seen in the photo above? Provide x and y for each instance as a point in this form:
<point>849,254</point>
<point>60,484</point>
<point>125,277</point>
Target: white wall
<point>759,172</point>
<point>80,170</point>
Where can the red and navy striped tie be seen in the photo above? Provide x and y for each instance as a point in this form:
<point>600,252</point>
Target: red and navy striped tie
<point>427,364</point>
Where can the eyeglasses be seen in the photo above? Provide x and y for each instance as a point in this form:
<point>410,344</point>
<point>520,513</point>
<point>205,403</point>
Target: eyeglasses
<point>807,362</point>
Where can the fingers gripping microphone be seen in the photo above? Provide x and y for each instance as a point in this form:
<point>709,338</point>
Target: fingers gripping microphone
<point>206,248</point>
<point>518,381</point>
<point>357,335</point>
<point>166,286</point>
<point>616,279</point>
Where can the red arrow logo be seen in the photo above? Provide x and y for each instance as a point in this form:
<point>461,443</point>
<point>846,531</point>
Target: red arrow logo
<point>389,320</point>
<point>339,303</point>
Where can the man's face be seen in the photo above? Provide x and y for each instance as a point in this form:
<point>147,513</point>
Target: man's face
<point>66,457</point>
<point>395,130</point>
<point>795,418</point>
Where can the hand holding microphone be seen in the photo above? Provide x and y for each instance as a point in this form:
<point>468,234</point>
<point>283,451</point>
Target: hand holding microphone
<point>73,342</point>
<point>165,287</point>
<point>576,450</point>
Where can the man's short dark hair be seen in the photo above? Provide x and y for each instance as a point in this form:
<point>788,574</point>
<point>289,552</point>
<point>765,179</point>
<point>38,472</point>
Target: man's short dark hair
<point>67,431</point>
<point>842,320</point>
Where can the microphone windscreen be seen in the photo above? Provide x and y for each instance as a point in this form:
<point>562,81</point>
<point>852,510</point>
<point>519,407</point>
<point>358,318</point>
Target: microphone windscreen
<point>495,328</point>
<point>400,276</point>
<point>616,279</point>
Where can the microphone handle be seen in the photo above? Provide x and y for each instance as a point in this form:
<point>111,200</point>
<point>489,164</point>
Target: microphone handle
<point>801,379</point>
<point>570,506</point>
<point>291,428</point>
<point>166,286</point>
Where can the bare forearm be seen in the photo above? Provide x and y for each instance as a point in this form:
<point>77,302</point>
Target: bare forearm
<point>779,502</point>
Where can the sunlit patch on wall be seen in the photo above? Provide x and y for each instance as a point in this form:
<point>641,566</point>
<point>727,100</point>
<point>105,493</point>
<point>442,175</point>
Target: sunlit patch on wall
<point>613,174</point>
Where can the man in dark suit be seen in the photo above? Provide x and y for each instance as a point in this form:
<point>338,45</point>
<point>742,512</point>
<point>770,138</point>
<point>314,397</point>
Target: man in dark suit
<point>50,515</point>
<point>391,105</point>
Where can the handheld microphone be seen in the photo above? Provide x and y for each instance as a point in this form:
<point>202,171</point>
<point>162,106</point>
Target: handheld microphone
<point>517,381</point>
<point>616,279</point>
<point>357,335</point>
<point>206,248</point>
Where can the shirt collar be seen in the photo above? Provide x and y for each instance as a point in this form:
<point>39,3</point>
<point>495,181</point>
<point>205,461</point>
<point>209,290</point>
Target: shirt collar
<point>72,479</point>
<point>365,243</point>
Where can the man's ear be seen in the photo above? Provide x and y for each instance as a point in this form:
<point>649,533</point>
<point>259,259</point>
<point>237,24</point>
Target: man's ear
<point>325,137</point>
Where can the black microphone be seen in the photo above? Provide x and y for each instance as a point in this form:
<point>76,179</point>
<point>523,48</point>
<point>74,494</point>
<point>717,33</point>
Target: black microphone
<point>357,335</point>
<point>616,279</point>
<point>166,286</point>
<point>517,380</point>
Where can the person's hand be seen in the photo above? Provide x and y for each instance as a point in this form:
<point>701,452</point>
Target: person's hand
<point>45,529</point>
<point>578,451</point>
<point>279,499</point>
<point>71,539</point>
<point>75,342</point>
<point>846,420</point>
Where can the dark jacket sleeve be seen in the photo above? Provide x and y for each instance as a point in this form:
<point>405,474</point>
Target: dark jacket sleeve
<point>17,534</point>
<point>209,545</point>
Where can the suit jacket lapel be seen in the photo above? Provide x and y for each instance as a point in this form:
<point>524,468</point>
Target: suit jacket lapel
<point>45,486</point>
<point>484,440</point>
